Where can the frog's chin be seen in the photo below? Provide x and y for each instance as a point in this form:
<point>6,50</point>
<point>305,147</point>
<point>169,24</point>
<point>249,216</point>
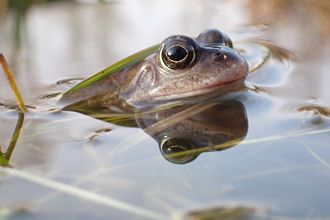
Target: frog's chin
<point>216,89</point>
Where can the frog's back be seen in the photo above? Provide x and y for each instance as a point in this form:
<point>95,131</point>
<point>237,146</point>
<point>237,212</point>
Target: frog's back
<point>108,84</point>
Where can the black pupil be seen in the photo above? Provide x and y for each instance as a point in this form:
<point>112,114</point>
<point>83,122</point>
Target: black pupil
<point>176,53</point>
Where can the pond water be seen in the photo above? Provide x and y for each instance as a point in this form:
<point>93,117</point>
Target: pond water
<point>67,165</point>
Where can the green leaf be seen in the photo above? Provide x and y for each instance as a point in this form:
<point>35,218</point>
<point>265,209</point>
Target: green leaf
<point>128,61</point>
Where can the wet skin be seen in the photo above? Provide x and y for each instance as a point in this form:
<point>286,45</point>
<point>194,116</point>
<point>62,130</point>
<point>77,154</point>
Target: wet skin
<point>181,69</point>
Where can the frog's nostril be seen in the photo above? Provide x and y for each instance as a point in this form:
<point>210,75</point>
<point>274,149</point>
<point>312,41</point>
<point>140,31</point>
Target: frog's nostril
<point>219,56</point>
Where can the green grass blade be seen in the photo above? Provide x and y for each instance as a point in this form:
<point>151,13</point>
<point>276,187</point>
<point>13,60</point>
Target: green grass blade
<point>128,61</point>
<point>12,83</point>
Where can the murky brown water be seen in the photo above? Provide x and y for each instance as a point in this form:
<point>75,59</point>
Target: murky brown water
<point>71,166</point>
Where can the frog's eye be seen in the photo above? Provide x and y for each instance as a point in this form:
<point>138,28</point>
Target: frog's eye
<point>178,150</point>
<point>228,42</point>
<point>178,54</point>
<point>214,37</point>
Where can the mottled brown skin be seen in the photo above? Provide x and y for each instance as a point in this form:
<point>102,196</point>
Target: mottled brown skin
<point>208,66</point>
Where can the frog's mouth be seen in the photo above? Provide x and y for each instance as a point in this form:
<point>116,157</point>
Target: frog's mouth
<point>215,89</point>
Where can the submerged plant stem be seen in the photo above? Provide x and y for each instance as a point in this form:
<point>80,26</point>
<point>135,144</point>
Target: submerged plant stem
<point>84,194</point>
<point>5,156</point>
<point>15,136</point>
<point>12,83</point>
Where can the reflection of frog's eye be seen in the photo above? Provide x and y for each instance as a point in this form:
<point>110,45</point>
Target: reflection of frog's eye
<point>178,150</point>
<point>178,54</point>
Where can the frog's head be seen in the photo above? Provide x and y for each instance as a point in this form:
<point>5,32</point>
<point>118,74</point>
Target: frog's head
<point>184,68</point>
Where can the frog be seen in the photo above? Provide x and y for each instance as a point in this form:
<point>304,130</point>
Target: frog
<point>183,69</point>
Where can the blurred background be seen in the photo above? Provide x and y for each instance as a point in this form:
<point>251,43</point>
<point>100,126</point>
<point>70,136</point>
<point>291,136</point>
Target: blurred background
<point>45,41</point>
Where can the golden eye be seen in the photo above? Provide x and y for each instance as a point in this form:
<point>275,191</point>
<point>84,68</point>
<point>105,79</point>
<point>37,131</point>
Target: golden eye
<point>178,54</point>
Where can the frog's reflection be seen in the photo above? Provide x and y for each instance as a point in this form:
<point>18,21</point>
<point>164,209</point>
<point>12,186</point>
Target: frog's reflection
<point>185,131</point>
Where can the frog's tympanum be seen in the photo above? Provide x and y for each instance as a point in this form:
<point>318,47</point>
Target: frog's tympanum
<point>182,68</point>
